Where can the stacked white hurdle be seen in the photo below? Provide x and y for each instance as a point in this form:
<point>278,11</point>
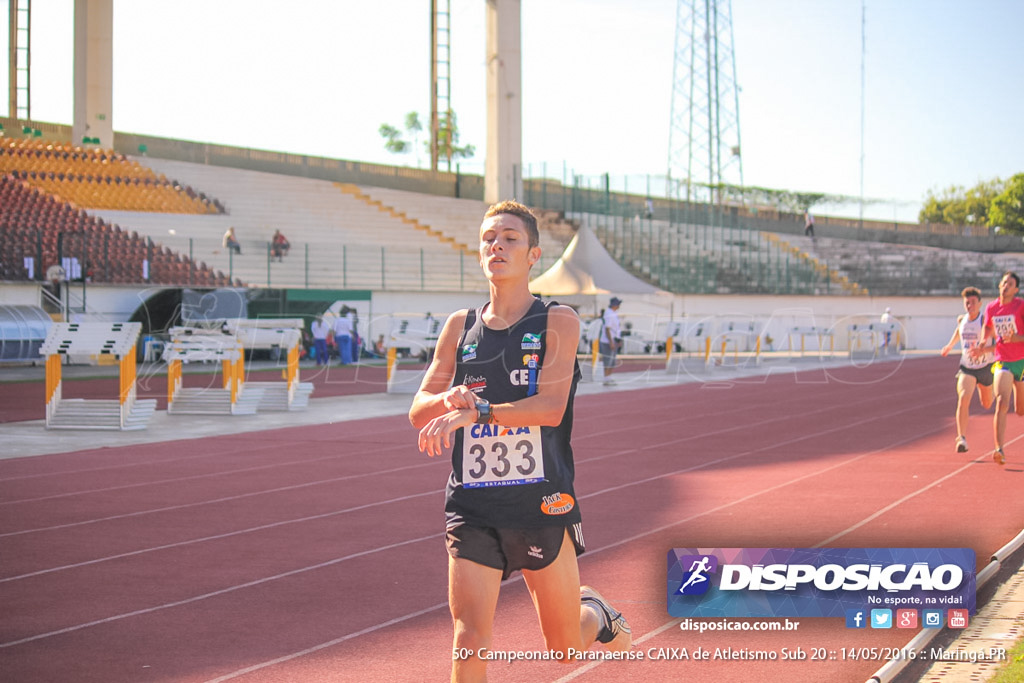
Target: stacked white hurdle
<point>94,340</point>
<point>867,340</point>
<point>188,345</point>
<point>412,336</point>
<point>282,335</point>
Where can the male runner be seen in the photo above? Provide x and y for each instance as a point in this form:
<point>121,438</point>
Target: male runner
<point>1004,323</point>
<point>972,373</point>
<point>500,391</point>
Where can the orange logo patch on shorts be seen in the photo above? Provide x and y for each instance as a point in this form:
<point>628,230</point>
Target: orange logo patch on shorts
<point>557,504</point>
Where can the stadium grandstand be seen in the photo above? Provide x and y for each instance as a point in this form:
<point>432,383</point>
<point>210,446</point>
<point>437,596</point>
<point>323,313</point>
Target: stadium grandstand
<point>148,254</point>
<point>147,216</point>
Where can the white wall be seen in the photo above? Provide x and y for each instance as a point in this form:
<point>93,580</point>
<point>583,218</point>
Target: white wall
<point>19,293</point>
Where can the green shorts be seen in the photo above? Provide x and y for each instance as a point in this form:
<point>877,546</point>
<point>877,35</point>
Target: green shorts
<point>1015,367</point>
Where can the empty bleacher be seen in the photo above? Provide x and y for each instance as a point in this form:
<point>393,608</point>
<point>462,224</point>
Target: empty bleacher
<point>689,258</point>
<point>459,219</point>
<point>894,269</point>
<point>98,178</point>
<point>337,239</point>
<point>38,230</point>
<point>109,227</point>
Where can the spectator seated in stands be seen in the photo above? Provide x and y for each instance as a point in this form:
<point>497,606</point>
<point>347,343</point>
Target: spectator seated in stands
<point>231,242</point>
<point>279,246</point>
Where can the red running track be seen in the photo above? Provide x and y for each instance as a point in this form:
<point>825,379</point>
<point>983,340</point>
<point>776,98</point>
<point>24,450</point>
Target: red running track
<point>316,553</point>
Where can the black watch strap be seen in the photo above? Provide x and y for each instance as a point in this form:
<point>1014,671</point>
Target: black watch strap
<point>483,411</point>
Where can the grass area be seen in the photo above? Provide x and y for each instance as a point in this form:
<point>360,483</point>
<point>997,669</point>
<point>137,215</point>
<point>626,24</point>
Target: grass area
<point>1012,671</point>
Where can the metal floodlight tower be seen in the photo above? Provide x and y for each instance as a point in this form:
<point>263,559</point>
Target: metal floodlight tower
<point>19,59</point>
<point>704,161</point>
<point>440,76</point>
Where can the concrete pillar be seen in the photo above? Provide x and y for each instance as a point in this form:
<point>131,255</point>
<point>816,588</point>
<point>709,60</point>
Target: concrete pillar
<point>504,156</point>
<point>94,71</point>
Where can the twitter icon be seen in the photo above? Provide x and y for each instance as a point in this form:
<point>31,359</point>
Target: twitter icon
<point>881,618</point>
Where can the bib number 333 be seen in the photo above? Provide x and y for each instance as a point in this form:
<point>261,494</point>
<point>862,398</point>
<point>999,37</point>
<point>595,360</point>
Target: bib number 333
<point>502,456</point>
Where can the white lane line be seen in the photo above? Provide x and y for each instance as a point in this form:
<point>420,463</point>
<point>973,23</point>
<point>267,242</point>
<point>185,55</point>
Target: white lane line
<point>214,501</point>
<point>595,551</point>
<point>907,497</point>
<point>329,643</point>
<point>218,537</point>
<point>213,594</point>
<point>425,464</point>
<point>157,482</point>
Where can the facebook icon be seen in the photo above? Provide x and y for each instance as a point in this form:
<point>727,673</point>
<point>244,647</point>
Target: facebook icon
<point>856,618</point>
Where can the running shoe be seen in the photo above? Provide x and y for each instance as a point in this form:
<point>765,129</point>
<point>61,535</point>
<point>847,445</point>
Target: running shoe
<point>999,456</point>
<point>615,631</point>
<point>961,444</point>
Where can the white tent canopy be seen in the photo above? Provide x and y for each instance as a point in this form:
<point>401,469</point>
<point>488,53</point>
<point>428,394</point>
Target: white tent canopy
<point>587,268</point>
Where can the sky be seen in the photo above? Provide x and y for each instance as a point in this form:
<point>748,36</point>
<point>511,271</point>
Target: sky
<point>942,96</point>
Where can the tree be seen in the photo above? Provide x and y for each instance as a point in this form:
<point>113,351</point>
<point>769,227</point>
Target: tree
<point>957,205</point>
<point>393,141</point>
<point>447,138</point>
<point>1007,209</point>
<point>934,207</point>
<point>785,200</point>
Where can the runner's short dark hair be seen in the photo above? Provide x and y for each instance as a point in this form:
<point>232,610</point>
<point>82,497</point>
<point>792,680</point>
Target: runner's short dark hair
<point>514,208</point>
<point>971,291</point>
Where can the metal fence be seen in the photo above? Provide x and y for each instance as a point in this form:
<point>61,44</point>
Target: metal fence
<point>190,261</point>
<point>696,258</point>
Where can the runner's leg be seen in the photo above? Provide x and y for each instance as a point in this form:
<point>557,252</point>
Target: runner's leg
<point>964,390</point>
<point>985,395</point>
<point>1002,383</point>
<point>472,597</point>
<point>555,590</point>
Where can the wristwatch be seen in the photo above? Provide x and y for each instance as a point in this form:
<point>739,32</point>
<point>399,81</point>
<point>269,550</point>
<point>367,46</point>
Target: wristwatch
<point>483,411</point>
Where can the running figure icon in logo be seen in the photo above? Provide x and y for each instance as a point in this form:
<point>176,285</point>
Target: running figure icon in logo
<point>696,579</point>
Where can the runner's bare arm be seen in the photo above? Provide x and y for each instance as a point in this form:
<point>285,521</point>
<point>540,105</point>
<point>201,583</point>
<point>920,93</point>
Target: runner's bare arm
<point>987,341</point>
<point>952,340</point>
<point>546,407</point>
<point>436,395</point>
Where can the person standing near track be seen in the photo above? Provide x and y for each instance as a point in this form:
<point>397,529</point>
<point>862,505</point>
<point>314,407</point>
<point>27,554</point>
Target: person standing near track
<point>611,338</point>
<point>343,334</point>
<point>1004,323</point>
<point>973,372</point>
<point>320,329</point>
<point>500,392</point>
<point>886,321</point>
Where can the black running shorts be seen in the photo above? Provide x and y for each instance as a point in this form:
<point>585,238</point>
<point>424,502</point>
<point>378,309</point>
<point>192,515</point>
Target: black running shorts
<point>511,550</point>
<point>983,375</point>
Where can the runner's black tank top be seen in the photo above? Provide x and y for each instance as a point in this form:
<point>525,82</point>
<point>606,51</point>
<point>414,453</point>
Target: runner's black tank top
<point>512,477</point>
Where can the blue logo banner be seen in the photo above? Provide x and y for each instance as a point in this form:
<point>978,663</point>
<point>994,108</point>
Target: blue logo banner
<point>818,582</point>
